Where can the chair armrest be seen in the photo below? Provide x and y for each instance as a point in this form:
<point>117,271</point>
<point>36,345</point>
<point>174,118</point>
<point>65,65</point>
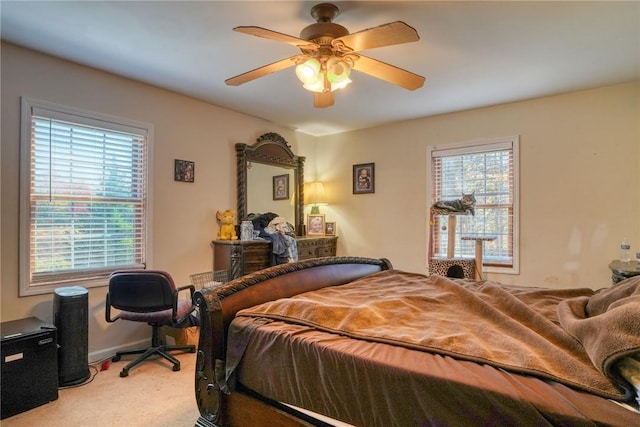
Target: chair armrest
<point>176,296</point>
<point>107,311</point>
<point>192,290</point>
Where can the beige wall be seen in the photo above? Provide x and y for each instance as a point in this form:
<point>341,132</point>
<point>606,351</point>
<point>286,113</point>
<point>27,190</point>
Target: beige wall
<point>580,160</point>
<point>579,183</point>
<point>184,214</point>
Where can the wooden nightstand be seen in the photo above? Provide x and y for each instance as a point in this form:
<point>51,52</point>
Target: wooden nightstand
<point>623,270</point>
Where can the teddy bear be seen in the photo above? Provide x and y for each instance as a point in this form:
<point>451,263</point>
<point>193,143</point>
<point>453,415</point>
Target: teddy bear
<point>227,228</point>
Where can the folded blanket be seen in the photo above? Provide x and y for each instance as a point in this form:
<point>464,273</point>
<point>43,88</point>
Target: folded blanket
<point>607,325</point>
<point>515,328</point>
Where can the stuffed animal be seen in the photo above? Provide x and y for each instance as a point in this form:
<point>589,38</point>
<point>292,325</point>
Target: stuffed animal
<point>227,220</point>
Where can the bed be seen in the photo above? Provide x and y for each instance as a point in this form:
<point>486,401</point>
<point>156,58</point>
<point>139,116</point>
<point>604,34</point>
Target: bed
<point>356,341</point>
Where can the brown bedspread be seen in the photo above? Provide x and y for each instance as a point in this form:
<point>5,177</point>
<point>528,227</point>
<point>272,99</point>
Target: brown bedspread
<point>515,328</point>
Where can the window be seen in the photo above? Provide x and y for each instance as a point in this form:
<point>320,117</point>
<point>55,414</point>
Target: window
<point>84,196</point>
<point>489,169</point>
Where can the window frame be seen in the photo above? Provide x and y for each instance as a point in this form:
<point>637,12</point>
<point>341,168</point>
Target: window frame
<point>476,146</point>
<point>84,118</point>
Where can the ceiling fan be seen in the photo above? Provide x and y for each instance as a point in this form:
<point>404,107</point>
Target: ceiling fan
<point>330,52</point>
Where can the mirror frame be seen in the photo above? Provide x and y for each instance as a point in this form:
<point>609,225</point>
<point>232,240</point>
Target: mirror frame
<point>271,149</point>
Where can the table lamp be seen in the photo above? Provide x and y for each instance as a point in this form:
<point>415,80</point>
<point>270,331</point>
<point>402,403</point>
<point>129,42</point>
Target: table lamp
<point>315,196</point>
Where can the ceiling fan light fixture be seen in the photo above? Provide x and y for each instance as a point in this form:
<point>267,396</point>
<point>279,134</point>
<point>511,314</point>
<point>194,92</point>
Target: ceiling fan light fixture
<point>308,72</point>
<point>341,84</point>
<point>329,53</point>
<point>317,85</point>
<point>338,70</point>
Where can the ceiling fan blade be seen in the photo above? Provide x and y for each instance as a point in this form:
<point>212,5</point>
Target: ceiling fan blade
<point>389,73</point>
<point>323,99</point>
<point>385,35</point>
<point>262,71</point>
<point>279,37</point>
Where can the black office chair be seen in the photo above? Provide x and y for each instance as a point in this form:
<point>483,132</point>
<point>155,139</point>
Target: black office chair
<point>150,296</point>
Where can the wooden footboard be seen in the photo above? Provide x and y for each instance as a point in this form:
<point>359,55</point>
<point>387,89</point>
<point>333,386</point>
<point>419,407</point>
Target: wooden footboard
<point>218,306</point>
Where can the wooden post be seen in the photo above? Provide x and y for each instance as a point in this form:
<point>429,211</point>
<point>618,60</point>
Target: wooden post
<point>451,237</point>
<point>478,259</point>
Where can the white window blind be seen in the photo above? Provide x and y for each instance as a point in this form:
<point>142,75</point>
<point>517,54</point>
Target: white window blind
<point>87,197</point>
<point>489,171</point>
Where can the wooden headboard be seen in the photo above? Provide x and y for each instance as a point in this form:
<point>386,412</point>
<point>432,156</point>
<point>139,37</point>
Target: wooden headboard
<point>218,307</point>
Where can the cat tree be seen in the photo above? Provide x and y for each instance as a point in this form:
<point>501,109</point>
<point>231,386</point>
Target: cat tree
<point>479,248</point>
<point>472,267</point>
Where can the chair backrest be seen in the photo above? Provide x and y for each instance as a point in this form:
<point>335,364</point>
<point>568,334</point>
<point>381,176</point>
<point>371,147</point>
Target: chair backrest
<point>141,291</point>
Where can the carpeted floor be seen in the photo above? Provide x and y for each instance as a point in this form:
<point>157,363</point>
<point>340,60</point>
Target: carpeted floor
<point>152,395</point>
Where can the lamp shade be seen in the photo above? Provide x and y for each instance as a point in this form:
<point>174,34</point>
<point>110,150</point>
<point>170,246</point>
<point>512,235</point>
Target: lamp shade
<point>314,194</point>
<point>317,85</point>
<point>337,70</point>
<point>308,71</point>
<point>341,84</point>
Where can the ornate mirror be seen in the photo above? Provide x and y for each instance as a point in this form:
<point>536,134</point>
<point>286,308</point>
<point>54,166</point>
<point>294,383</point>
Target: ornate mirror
<point>271,179</point>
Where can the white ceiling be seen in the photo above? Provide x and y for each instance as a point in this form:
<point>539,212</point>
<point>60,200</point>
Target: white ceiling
<point>473,54</point>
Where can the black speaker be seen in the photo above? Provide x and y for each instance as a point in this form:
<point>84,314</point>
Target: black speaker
<point>71,318</point>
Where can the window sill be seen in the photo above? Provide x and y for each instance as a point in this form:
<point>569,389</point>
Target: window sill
<point>31,290</point>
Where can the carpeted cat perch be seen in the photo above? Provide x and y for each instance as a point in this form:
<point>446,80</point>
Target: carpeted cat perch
<point>471,267</point>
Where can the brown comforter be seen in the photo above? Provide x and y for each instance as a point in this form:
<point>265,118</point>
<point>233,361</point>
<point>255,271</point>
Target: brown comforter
<point>573,336</point>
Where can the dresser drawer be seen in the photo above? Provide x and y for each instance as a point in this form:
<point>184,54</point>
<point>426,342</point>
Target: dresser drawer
<point>255,256</point>
<point>326,250</point>
<point>256,253</point>
<point>250,267</point>
<point>306,250</point>
<point>316,247</point>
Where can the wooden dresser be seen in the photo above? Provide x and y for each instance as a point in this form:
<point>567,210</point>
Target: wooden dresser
<point>238,258</point>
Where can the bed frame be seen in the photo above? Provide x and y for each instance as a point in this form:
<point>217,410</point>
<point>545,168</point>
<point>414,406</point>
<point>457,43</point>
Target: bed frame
<point>218,307</point>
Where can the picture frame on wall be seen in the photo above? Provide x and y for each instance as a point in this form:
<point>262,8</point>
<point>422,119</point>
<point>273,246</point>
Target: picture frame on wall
<point>184,171</point>
<point>281,187</point>
<point>315,224</point>
<point>364,178</point>
<point>330,228</point>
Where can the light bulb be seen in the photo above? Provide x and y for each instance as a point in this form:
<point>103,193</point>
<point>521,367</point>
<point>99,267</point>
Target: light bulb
<point>308,71</point>
<point>317,85</point>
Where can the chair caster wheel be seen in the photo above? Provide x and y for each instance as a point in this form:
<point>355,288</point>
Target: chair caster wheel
<point>176,368</point>
<point>124,373</point>
<point>115,359</point>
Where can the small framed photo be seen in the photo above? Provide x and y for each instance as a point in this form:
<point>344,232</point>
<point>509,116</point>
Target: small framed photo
<point>364,178</point>
<point>281,187</point>
<point>315,225</point>
<point>330,228</point>
<point>184,171</point>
